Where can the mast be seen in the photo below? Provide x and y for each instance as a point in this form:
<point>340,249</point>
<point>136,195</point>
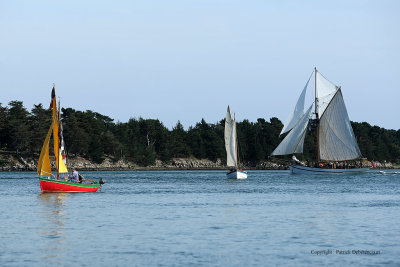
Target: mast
<point>236,143</point>
<point>316,112</point>
<point>55,129</point>
<point>58,161</point>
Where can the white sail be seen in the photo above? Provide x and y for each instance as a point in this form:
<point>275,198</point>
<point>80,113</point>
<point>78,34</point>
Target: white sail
<point>298,111</point>
<point>230,140</point>
<point>293,142</point>
<point>325,92</point>
<point>336,137</point>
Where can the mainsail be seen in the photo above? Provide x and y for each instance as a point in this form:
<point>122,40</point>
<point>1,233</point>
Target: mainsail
<point>230,140</point>
<point>293,142</point>
<point>336,137</point>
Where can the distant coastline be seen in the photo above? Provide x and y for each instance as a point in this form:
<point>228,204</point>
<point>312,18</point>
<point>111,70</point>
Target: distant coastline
<point>147,144</point>
<point>19,163</point>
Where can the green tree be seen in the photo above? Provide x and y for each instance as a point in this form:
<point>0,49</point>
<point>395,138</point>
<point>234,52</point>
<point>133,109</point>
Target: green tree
<point>178,142</point>
<point>4,137</point>
<point>18,128</point>
<point>39,124</point>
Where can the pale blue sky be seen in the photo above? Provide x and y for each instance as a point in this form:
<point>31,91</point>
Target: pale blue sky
<point>186,60</point>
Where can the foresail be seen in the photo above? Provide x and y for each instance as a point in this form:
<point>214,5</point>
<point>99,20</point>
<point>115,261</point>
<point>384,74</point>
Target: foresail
<point>293,142</point>
<point>325,92</point>
<point>46,167</point>
<point>61,164</point>
<point>43,166</point>
<point>336,137</point>
<point>298,111</point>
<point>230,139</point>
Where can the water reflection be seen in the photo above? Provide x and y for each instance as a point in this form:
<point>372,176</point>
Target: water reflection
<point>53,230</point>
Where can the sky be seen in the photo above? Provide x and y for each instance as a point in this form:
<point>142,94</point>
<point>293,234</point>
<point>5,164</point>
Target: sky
<point>187,60</point>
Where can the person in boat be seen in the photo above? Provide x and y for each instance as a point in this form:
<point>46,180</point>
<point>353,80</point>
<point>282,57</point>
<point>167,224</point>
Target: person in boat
<point>74,176</point>
<point>295,160</point>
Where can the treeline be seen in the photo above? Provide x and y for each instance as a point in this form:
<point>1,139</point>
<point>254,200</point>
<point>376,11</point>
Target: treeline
<point>96,136</point>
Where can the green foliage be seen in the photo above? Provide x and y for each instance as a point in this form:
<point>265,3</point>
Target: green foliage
<point>96,136</point>
<point>39,122</point>
<point>4,137</point>
<point>18,127</point>
<point>377,143</point>
<point>177,145</point>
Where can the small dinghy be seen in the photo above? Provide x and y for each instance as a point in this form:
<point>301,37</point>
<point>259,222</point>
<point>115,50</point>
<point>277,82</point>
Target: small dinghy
<point>48,181</point>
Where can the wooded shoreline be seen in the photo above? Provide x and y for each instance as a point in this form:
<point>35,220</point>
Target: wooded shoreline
<point>81,164</point>
<point>101,143</point>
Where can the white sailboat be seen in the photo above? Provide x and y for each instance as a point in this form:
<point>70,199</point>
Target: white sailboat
<point>337,148</point>
<point>232,148</point>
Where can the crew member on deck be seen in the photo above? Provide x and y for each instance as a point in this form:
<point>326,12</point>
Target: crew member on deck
<point>74,176</point>
<point>295,160</point>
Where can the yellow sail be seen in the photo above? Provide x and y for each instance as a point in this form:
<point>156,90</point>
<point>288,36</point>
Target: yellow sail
<point>61,164</point>
<point>44,167</point>
<point>62,168</point>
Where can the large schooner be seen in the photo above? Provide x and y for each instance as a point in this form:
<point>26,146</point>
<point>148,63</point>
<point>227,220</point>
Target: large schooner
<point>337,149</point>
<point>231,146</point>
<point>49,182</point>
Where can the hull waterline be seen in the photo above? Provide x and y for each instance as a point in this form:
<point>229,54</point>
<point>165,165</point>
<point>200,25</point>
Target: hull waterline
<point>298,169</point>
<point>239,175</point>
<point>48,185</point>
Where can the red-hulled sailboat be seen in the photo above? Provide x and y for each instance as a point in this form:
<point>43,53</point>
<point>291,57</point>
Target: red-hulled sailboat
<point>48,182</point>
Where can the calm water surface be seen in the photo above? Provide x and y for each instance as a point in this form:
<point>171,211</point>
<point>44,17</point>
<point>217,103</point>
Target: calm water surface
<point>148,218</point>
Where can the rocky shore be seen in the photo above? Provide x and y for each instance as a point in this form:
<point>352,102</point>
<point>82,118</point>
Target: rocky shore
<point>19,163</point>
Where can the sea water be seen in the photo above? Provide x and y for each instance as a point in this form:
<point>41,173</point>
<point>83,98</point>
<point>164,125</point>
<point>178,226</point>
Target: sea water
<point>200,218</point>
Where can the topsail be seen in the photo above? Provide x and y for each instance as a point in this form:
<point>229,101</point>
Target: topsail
<point>298,111</point>
<point>325,92</point>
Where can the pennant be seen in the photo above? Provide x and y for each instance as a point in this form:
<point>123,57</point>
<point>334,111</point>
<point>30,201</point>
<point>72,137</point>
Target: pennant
<point>53,95</point>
